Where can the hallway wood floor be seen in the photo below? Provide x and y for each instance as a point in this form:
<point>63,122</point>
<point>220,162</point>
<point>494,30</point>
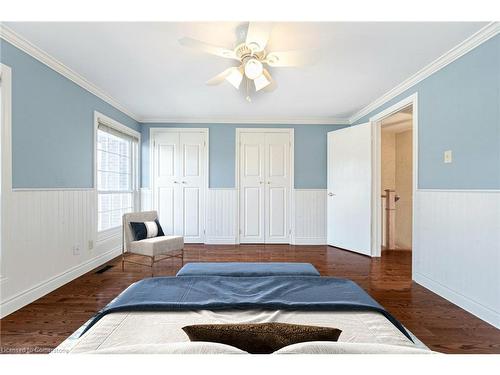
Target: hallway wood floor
<point>444,327</point>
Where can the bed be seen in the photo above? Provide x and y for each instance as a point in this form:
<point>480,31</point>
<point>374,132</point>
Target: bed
<point>149,315</point>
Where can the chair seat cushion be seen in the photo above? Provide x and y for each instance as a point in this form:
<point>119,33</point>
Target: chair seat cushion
<point>157,245</point>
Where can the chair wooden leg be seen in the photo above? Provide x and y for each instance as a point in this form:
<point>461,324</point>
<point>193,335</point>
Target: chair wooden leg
<point>152,264</point>
<point>182,257</point>
<point>123,263</point>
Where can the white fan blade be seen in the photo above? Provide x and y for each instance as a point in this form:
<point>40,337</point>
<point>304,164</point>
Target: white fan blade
<point>208,48</point>
<point>262,81</point>
<point>219,78</point>
<point>258,35</point>
<point>233,75</point>
<point>290,58</point>
<point>272,83</point>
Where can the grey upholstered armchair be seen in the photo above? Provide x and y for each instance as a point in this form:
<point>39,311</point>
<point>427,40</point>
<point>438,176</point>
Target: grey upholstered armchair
<point>155,248</point>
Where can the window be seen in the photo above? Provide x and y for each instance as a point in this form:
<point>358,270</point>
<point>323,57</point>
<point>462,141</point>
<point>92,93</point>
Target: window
<point>117,181</point>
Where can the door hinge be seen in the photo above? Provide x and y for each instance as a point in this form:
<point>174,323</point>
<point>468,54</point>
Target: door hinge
<point>204,231</point>
<point>289,231</point>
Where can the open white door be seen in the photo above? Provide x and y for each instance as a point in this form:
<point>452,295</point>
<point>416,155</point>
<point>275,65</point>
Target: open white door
<point>350,188</point>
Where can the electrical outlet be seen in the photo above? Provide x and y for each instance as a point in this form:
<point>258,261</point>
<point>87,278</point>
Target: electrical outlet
<point>91,245</point>
<point>448,156</point>
<point>76,249</point>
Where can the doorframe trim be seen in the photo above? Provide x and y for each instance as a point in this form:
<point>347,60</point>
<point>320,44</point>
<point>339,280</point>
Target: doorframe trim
<point>152,181</point>
<point>291,203</point>
<point>376,121</point>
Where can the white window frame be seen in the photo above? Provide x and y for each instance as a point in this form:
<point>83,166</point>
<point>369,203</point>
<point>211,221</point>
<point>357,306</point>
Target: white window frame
<point>100,118</point>
<point>6,153</point>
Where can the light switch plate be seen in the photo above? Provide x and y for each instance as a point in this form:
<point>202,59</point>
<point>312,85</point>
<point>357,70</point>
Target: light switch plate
<point>448,157</point>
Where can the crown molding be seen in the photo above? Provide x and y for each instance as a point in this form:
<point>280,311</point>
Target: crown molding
<point>481,36</point>
<point>458,51</point>
<point>24,45</point>
<point>228,120</point>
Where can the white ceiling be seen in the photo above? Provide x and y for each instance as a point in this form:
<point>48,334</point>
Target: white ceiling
<point>143,67</point>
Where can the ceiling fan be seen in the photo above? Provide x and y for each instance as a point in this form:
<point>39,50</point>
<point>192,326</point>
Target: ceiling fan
<point>252,58</point>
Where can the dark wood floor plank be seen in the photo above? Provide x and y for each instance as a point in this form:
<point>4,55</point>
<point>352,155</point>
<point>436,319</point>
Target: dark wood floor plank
<point>45,323</point>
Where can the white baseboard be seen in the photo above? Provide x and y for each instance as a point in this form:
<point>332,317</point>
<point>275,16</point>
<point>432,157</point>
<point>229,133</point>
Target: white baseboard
<point>26,297</point>
<point>220,241</point>
<point>310,241</point>
<point>482,312</point>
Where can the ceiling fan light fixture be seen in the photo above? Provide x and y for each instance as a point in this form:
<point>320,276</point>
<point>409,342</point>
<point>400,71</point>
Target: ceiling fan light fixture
<point>235,77</point>
<point>261,82</point>
<point>253,68</point>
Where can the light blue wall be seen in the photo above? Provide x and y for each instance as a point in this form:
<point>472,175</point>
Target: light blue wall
<point>52,125</point>
<point>459,110</point>
<point>310,152</point>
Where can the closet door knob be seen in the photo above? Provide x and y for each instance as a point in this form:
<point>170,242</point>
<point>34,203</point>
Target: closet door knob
<point>261,182</point>
<point>176,182</point>
<point>331,194</point>
<point>184,182</point>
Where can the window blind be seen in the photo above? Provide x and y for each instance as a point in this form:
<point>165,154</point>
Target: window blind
<point>116,175</point>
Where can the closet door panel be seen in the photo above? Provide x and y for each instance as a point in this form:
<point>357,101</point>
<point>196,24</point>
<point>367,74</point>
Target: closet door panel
<point>192,182</point>
<point>252,191</point>
<point>277,213</point>
<point>167,186</point>
<point>277,155</point>
<point>192,212</point>
<point>166,210</point>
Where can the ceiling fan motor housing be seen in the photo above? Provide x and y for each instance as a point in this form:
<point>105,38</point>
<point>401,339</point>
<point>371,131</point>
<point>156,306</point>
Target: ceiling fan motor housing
<point>243,52</point>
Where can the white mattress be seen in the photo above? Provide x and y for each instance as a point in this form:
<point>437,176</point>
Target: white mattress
<point>151,328</point>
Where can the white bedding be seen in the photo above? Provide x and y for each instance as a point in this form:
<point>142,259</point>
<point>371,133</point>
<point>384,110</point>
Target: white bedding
<point>153,328</point>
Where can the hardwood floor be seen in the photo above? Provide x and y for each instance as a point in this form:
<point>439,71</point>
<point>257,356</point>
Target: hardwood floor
<point>444,327</point>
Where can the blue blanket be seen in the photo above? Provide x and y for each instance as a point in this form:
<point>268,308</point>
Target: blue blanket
<point>303,293</point>
<point>248,269</point>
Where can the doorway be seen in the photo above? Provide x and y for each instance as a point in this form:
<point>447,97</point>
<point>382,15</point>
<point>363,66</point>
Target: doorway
<point>407,108</point>
<point>396,167</point>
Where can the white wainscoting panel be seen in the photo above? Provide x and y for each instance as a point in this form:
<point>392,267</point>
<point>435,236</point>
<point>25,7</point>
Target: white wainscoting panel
<point>457,248</point>
<point>40,231</point>
<point>310,216</point>
<point>222,217</point>
<point>221,224</point>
